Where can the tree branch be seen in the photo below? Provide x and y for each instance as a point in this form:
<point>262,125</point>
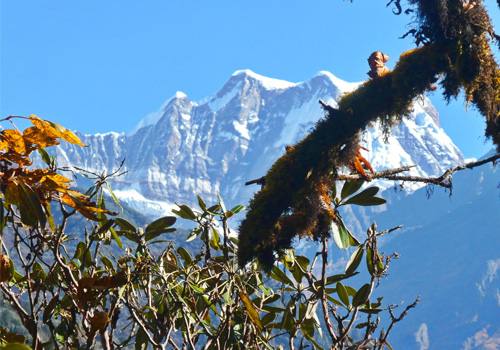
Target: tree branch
<point>443,180</point>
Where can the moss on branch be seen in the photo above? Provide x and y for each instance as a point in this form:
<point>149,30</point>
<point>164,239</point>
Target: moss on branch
<point>296,198</point>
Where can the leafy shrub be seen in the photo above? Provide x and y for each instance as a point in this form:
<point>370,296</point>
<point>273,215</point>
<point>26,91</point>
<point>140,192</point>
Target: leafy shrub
<point>71,290</point>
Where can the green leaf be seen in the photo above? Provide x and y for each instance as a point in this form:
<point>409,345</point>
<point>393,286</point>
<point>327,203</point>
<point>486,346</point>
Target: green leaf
<point>30,207</point>
<point>107,263</point>
<point>17,277</point>
<point>116,237</point>
<point>369,261</point>
<point>192,235</point>
<point>280,276</point>
<point>214,209</point>
<point>307,327</point>
<point>342,293</point>
<point>272,299</point>
<point>362,325</point>
<point>350,291</point>
<point>274,309</point>
<point>316,345</point>
<point>83,254</point>
<point>101,205</point>
<point>184,212</point>
<point>235,210</point>
<point>350,187</point>
<point>50,218</point>
<point>185,255</point>
<point>362,295</point>
<point>287,321</point>
<point>104,227</point>
<point>113,196</point>
<point>342,236</point>
<point>196,288</point>
<point>161,223</point>
<point>215,240</point>
<point>335,278</point>
<point>303,262</point>
<point>366,197</point>
<point>125,225</point>
<point>45,156</point>
<point>201,203</point>
<point>159,226</point>
<point>354,260</point>
<point>268,318</point>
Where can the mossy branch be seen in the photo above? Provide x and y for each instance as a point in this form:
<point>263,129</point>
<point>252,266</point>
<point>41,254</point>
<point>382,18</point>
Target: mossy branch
<point>296,197</point>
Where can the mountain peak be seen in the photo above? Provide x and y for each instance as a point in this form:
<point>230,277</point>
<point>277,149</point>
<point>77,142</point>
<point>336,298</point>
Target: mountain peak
<point>154,117</point>
<point>179,95</point>
<point>343,85</point>
<point>266,82</point>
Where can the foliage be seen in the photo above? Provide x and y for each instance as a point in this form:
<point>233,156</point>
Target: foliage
<point>73,291</point>
<point>296,199</point>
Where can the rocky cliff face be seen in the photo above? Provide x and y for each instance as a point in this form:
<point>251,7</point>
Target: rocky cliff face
<point>214,146</point>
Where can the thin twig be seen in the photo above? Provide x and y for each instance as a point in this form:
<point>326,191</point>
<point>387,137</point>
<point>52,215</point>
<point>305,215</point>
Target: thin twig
<point>396,319</point>
<point>393,174</point>
<point>444,180</point>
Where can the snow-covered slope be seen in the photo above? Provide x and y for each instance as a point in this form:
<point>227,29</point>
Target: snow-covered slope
<point>214,146</point>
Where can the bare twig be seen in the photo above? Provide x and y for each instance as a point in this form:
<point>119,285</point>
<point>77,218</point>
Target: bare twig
<point>444,180</point>
<point>393,174</point>
<point>396,319</point>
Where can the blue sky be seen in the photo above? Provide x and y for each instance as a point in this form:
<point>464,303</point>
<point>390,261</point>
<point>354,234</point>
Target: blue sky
<point>96,65</point>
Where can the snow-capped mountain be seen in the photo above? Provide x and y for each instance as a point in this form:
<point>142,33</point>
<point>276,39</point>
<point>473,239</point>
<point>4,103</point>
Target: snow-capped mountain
<point>214,146</point>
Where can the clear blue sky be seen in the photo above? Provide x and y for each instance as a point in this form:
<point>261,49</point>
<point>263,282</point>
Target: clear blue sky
<point>95,65</point>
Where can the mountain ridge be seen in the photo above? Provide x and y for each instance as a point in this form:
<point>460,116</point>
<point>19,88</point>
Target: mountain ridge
<point>215,145</point>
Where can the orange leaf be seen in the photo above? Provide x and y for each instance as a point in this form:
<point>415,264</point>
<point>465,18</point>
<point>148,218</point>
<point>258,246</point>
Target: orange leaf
<point>251,310</point>
<point>72,138</point>
<point>58,182</point>
<point>14,140</point>
<point>45,127</point>
<point>56,130</point>
<point>38,137</point>
<point>4,146</point>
